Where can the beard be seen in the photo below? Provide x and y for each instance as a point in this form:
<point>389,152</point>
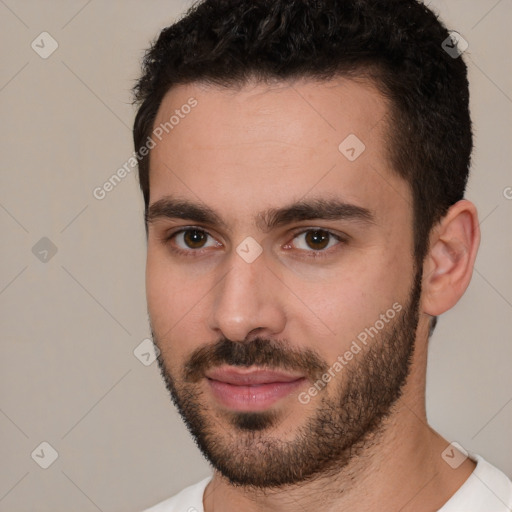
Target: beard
<point>241,445</point>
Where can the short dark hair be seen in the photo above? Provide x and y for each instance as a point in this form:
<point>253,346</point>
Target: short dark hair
<point>397,44</point>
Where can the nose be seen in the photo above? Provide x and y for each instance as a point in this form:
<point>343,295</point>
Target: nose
<point>247,301</point>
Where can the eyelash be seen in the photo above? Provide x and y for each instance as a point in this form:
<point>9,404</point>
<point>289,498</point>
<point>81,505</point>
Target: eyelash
<point>310,254</point>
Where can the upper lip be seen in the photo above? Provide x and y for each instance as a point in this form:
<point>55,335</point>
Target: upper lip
<point>250,376</point>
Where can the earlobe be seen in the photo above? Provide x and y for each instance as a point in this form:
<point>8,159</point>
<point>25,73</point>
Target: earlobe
<point>448,266</point>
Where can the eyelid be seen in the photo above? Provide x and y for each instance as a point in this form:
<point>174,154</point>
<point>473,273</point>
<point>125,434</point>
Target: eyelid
<point>300,231</point>
<point>169,235</point>
<point>175,231</point>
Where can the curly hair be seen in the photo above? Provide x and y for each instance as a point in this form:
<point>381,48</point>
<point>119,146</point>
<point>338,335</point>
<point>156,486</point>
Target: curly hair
<point>397,44</point>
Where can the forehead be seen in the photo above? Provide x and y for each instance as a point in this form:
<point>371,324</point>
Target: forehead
<point>279,113</point>
<point>266,145</point>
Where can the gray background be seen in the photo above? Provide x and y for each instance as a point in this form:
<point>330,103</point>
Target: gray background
<point>70,324</point>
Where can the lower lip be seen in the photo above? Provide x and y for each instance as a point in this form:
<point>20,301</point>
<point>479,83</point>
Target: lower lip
<point>252,398</point>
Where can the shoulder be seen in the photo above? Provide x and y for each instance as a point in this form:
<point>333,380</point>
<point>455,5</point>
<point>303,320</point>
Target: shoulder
<point>189,499</point>
<point>486,490</point>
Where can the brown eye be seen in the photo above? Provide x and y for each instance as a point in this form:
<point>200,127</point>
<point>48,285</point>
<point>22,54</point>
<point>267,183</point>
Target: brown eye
<point>317,239</point>
<point>194,238</point>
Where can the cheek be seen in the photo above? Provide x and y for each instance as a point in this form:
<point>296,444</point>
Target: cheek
<point>351,299</point>
<point>336,314</point>
<point>166,294</point>
<point>159,292</point>
<point>176,306</point>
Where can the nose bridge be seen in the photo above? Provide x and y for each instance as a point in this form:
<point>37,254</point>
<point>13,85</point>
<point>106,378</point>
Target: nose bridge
<point>244,300</point>
<point>241,279</point>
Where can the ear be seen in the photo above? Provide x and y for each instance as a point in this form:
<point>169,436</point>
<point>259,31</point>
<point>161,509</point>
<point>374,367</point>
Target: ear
<point>448,266</point>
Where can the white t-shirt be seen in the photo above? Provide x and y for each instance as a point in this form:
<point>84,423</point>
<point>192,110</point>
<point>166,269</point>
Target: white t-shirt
<point>486,490</point>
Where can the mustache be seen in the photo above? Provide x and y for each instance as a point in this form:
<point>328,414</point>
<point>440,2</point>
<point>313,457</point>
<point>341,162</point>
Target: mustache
<point>270,354</point>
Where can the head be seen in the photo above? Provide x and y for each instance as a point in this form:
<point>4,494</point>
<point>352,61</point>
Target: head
<point>303,193</point>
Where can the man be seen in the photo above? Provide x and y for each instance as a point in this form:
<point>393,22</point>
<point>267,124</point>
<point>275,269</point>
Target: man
<point>303,166</point>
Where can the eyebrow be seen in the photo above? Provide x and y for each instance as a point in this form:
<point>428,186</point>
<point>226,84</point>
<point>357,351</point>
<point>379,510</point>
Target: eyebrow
<point>326,209</point>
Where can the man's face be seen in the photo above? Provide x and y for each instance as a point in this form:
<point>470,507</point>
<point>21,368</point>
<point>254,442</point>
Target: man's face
<point>286,316</point>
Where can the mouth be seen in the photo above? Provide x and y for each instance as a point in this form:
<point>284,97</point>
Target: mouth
<point>251,389</point>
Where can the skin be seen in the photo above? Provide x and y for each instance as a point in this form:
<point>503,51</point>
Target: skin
<point>242,151</point>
